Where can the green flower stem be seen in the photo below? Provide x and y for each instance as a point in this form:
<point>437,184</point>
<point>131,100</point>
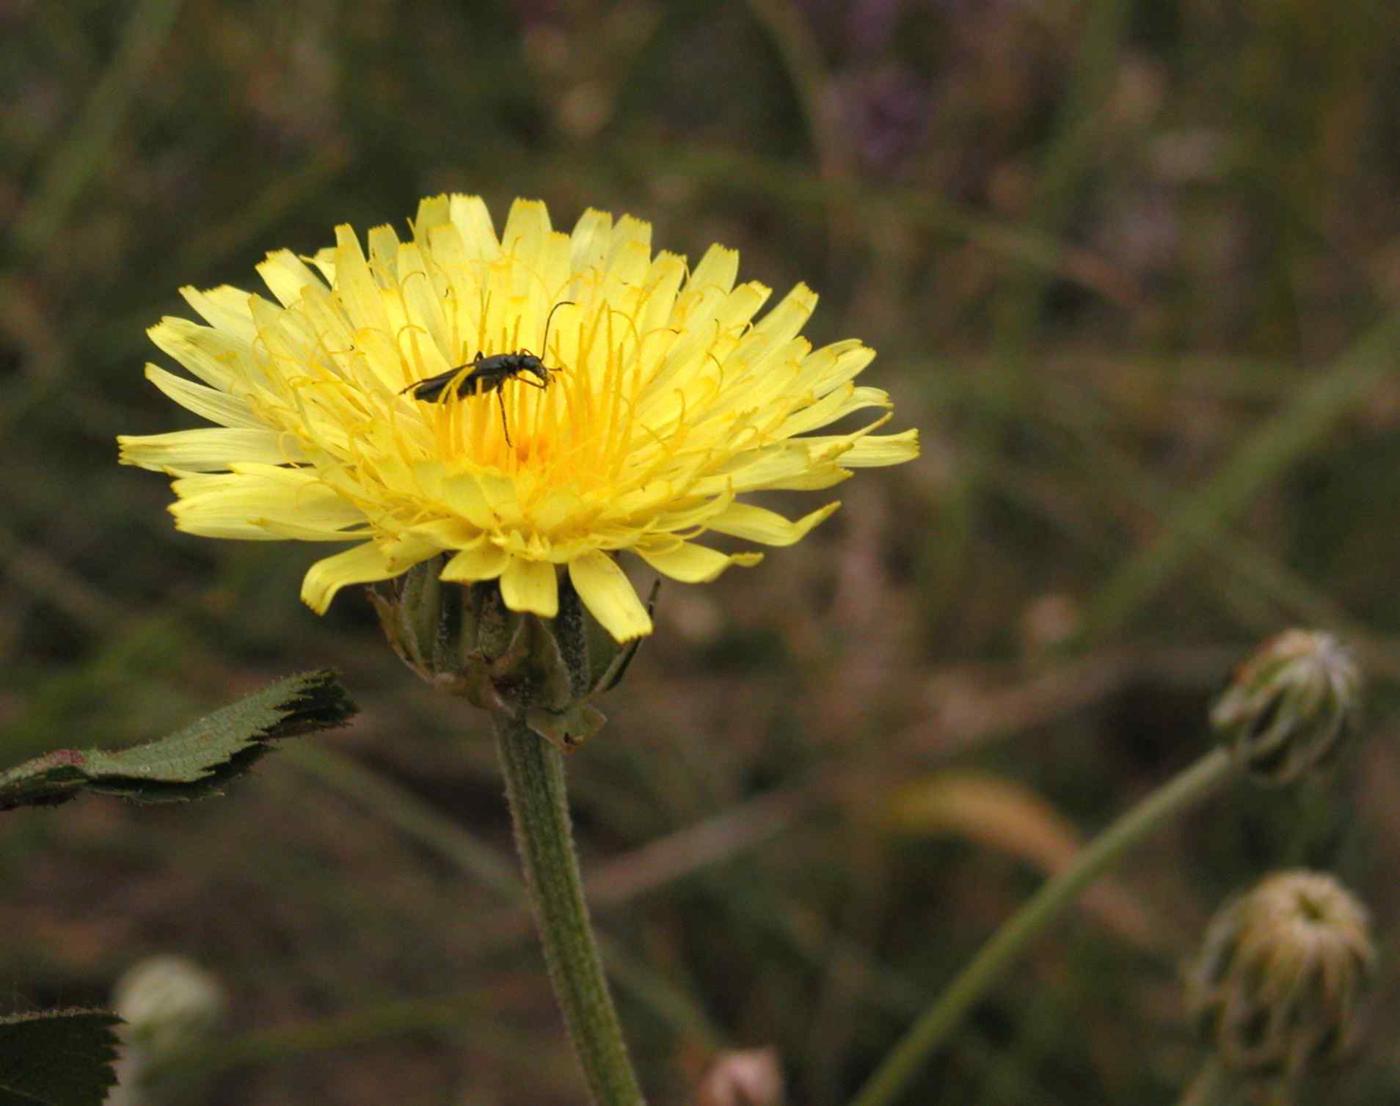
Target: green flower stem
<point>996,956</point>
<point>539,806</point>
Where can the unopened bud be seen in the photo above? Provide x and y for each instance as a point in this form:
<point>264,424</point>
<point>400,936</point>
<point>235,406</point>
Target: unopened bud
<point>748,1077</point>
<point>168,1003</point>
<point>462,639</point>
<point>1289,705</point>
<point>1278,985</point>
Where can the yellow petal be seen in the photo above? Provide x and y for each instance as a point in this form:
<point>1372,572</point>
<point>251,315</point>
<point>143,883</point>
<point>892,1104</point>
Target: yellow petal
<point>285,275</point>
<point>717,269</point>
<point>698,513</point>
<point>224,308</point>
<point>836,404</point>
<point>423,304</point>
<point>631,237</point>
<point>589,241</point>
<point>693,564</point>
<point>263,502</point>
<point>744,520</point>
<point>742,304</point>
<point>875,450</point>
<point>662,283</point>
<point>364,564</point>
<point>355,285</point>
<point>473,222</point>
<point>609,595</point>
<point>207,403</point>
<point>483,561</point>
<point>527,227</point>
<point>324,260</point>
<point>832,365</point>
<point>782,323</point>
<point>446,533</point>
<point>794,465</point>
<point>204,450</point>
<point>432,212</point>
<point>531,586</point>
<point>217,358</point>
<point>384,259</point>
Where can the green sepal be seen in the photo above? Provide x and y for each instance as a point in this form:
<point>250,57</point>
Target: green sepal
<point>465,641</point>
<point>537,664</point>
<point>566,729</point>
<point>571,631</point>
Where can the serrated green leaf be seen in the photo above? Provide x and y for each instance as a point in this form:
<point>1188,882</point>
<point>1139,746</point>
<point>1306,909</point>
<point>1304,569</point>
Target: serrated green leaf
<point>191,763</point>
<point>57,1057</point>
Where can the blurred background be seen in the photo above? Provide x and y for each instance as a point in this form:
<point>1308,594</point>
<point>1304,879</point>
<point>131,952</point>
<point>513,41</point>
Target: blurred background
<point>1133,268</point>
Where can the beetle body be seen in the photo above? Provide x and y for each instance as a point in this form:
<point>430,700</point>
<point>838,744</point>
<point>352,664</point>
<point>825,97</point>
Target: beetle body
<point>489,374</point>
<point>486,374</point>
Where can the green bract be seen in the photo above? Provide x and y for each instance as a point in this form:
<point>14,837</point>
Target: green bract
<point>468,642</point>
<point>1289,705</point>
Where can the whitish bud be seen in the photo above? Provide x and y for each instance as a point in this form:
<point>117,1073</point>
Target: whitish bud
<point>1280,978</point>
<point>1289,705</point>
<point>464,640</point>
<point>747,1077</point>
<point>168,1004</point>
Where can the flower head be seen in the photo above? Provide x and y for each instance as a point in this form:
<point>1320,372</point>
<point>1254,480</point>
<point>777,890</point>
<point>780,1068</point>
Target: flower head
<point>663,403</point>
<point>1281,974</point>
<point>1289,705</point>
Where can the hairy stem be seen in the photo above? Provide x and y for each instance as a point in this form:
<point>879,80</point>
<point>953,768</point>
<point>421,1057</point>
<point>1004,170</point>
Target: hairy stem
<point>539,806</point>
<point>903,1063</point>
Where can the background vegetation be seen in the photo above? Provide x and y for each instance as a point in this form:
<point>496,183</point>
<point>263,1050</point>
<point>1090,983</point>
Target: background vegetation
<point>1133,268</point>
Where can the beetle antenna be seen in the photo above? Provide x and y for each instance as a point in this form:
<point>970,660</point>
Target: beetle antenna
<point>549,319</point>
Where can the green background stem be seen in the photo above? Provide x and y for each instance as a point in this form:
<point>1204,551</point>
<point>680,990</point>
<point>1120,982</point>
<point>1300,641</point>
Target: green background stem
<point>534,774</point>
<point>904,1062</point>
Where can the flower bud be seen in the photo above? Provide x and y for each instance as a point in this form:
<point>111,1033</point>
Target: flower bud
<point>742,1077</point>
<point>1278,984</point>
<point>1289,705</point>
<point>168,1003</point>
<point>463,640</point>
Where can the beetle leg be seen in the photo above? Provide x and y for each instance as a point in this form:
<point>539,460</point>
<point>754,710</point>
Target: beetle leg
<point>501,401</point>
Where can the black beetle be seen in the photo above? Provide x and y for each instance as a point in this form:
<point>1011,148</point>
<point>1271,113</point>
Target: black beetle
<point>489,374</point>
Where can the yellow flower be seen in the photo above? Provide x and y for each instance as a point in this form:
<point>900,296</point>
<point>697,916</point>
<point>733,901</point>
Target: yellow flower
<point>666,403</point>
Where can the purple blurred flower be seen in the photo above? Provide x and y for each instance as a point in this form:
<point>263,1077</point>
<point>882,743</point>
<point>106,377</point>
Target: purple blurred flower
<point>886,110</point>
<point>870,25</point>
